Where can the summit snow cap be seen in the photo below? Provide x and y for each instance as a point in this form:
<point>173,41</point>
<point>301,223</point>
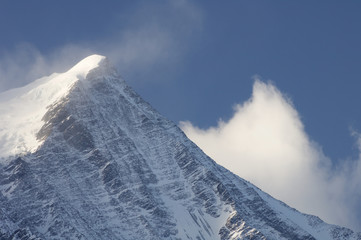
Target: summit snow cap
<point>84,66</point>
<point>22,109</point>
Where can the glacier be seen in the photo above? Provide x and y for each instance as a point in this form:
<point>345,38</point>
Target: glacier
<point>83,156</point>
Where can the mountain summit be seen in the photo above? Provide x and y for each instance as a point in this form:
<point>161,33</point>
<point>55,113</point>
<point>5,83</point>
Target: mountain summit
<point>84,157</point>
<point>22,109</point>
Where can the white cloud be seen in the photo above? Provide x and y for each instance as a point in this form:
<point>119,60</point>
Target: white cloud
<point>265,143</point>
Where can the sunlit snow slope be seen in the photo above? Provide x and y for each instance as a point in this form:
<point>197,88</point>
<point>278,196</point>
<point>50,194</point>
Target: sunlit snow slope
<point>84,157</point>
<point>22,109</point>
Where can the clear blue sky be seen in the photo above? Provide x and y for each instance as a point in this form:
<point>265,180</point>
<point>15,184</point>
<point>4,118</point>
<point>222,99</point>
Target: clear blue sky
<point>311,50</point>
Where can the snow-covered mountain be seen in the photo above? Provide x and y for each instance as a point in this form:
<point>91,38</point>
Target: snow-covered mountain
<point>82,156</point>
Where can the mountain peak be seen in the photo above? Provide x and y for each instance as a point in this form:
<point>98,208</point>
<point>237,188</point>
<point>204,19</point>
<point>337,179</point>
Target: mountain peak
<point>98,162</point>
<point>84,66</point>
<point>22,109</point>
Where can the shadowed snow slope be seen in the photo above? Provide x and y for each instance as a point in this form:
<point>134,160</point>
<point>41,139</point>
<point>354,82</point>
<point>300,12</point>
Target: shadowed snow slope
<point>84,157</point>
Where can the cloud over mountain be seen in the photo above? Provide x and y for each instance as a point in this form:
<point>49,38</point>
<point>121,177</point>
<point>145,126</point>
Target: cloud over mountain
<point>265,142</point>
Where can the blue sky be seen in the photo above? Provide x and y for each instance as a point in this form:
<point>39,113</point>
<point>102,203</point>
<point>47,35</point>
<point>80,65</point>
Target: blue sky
<point>194,61</point>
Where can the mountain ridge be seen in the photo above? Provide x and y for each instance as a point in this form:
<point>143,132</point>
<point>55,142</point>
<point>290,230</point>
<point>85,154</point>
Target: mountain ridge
<point>111,167</point>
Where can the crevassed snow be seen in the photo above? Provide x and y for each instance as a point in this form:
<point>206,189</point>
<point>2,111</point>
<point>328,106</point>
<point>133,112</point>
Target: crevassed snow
<point>22,109</point>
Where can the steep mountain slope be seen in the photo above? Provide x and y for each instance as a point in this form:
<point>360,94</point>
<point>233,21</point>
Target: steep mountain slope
<point>84,157</point>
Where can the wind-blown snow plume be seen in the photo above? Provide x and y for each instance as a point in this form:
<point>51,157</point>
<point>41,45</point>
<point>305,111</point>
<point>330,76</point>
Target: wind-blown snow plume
<point>154,37</point>
<point>25,63</point>
<point>265,142</point>
<point>157,35</point>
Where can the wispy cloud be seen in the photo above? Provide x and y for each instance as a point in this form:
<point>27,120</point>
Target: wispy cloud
<point>154,38</point>
<point>265,142</point>
<point>25,63</point>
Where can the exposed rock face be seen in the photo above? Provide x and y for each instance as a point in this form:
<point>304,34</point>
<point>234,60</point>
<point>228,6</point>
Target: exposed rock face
<point>111,167</point>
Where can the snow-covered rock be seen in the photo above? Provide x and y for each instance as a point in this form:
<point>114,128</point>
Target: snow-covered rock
<point>84,157</point>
